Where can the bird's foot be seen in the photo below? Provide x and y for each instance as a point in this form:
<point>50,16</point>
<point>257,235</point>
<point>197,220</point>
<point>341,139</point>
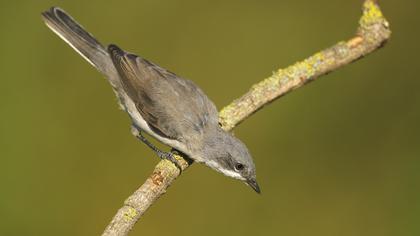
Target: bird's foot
<point>161,154</point>
<point>170,157</point>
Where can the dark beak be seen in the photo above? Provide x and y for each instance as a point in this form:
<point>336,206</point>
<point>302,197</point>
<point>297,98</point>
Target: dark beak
<point>254,185</point>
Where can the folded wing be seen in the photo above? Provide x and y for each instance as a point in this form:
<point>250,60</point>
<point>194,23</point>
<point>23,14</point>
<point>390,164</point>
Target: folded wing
<point>173,107</point>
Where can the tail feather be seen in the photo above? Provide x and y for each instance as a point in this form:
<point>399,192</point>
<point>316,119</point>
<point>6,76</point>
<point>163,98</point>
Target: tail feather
<point>77,37</point>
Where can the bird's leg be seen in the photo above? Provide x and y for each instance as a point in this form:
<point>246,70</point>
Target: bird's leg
<point>161,154</point>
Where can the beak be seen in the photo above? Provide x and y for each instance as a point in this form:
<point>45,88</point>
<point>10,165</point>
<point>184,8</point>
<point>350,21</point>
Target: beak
<point>254,185</point>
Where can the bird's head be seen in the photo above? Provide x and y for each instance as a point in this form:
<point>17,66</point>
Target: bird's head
<point>228,155</point>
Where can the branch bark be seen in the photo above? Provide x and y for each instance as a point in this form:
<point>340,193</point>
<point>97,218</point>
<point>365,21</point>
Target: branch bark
<point>372,33</point>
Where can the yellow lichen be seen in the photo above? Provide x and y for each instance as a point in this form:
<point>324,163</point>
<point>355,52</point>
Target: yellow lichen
<point>224,117</point>
<point>130,214</point>
<point>371,13</point>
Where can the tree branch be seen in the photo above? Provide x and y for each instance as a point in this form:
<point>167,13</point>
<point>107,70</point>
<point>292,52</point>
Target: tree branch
<point>372,33</point>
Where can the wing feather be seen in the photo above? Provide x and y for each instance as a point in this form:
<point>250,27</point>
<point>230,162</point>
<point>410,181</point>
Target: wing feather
<point>173,107</point>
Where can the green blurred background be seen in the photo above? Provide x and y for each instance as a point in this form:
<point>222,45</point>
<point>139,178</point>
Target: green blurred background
<point>337,157</point>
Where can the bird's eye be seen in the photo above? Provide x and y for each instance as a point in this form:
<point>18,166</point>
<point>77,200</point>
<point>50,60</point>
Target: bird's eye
<point>239,166</point>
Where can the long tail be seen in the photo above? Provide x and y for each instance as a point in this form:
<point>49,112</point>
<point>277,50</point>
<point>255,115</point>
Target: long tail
<point>80,40</point>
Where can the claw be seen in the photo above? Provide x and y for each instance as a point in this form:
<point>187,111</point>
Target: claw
<point>170,157</point>
<point>161,154</point>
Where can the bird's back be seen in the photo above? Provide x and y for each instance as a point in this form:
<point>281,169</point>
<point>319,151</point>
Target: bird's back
<point>173,107</point>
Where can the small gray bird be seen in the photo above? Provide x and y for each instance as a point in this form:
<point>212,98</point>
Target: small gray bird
<point>171,109</point>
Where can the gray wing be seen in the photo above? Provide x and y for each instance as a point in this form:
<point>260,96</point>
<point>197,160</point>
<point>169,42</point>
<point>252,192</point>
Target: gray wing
<point>172,107</point>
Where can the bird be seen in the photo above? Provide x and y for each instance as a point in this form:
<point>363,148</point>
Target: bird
<point>171,109</point>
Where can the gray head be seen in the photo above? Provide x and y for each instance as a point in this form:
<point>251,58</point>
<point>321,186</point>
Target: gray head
<point>228,155</point>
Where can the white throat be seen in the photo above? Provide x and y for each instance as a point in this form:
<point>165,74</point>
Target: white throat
<point>230,173</point>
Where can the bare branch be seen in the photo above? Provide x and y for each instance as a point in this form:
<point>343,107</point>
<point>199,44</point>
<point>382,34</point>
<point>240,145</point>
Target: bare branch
<point>372,33</point>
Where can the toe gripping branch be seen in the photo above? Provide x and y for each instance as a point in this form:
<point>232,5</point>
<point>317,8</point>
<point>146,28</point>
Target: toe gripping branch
<point>161,154</point>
